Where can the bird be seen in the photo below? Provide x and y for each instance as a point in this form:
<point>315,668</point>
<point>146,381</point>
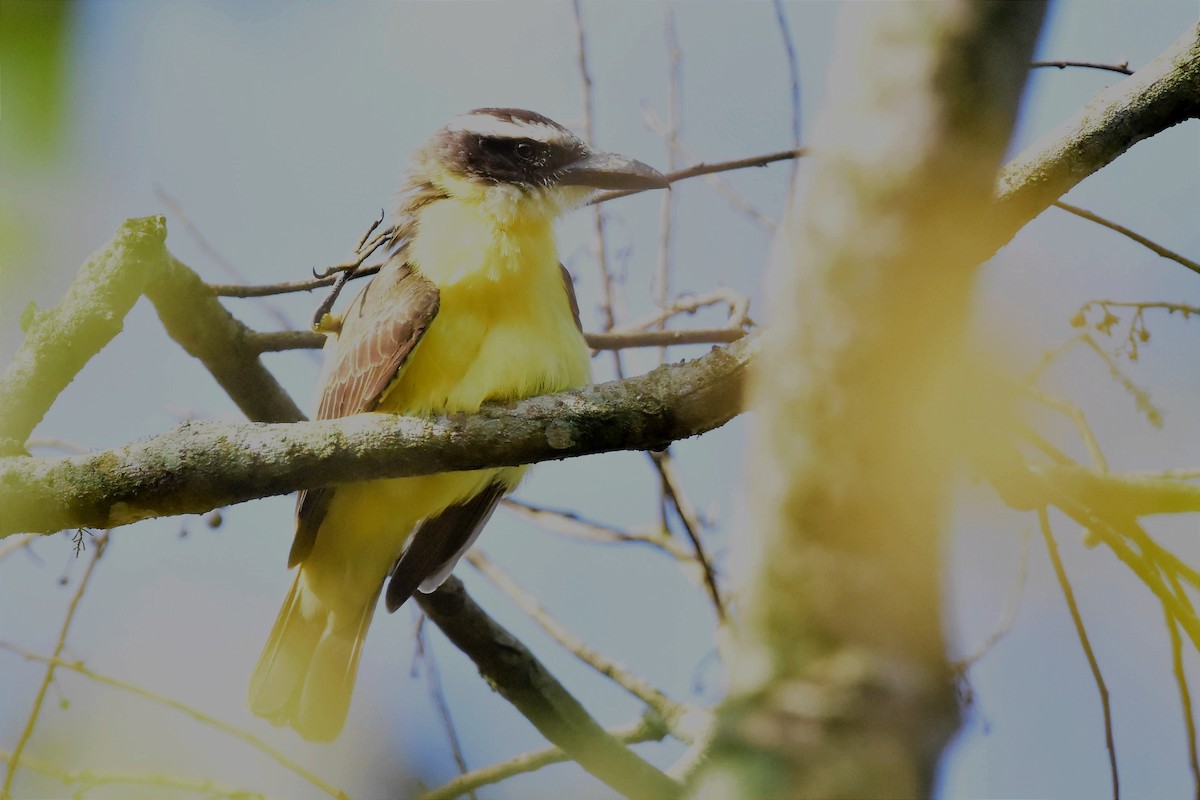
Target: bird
<point>472,305</point>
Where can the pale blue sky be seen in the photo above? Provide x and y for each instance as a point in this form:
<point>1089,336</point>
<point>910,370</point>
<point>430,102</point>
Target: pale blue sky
<point>282,128</point>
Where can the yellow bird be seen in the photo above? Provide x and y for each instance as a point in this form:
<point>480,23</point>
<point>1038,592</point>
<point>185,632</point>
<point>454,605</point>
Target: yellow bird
<point>472,306</point>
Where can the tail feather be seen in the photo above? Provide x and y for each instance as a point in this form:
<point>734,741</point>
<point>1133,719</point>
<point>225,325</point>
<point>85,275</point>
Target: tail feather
<point>306,673</point>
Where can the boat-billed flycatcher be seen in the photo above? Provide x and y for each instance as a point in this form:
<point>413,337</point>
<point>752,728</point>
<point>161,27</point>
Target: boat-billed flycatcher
<point>472,306</point>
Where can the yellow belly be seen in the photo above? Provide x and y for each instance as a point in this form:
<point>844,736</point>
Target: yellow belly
<point>504,331</point>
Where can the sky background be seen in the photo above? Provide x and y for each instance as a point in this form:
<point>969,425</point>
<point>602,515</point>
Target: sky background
<point>280,130</point>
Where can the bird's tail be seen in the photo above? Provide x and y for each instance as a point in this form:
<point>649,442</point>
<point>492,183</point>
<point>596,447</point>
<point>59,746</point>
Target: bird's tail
<point>305,675</point>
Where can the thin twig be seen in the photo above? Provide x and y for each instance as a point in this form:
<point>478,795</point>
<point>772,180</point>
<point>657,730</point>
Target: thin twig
<point>1069,595</point>
<point>15,758</point>
<point>674,145</point>
<point>667,204</point>
<point>194,713</point>
<point>1010,609</point>
<point>624,341</point>
<point>644,730</point>
<point>1185,695</point>
<point>737,302</point>
<point>670,711</point>
<point>789,50</point>
<point>697,170</point>
<point>585,81</point>
<point>1121,229</point>
<point>438,694</point>
<point>568,523</point>
<point>1122,67</point>
<point>673,486</point>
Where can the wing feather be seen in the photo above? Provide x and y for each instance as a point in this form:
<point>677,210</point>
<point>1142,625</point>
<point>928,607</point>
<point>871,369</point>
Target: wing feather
<point>379,330</point>
<point>438,543</point>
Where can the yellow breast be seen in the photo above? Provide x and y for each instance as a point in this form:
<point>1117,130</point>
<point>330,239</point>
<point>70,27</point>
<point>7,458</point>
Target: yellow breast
<point>504,329</point>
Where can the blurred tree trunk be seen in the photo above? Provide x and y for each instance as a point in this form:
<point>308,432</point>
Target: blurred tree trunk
<point>840,683</point>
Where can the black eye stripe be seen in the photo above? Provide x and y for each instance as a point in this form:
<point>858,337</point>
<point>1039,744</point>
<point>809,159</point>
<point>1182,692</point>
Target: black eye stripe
<point>519,160</point>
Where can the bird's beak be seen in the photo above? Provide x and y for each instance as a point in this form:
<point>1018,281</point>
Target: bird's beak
<point>602,170</point>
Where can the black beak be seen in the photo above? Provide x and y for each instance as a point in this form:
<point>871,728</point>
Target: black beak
<point>602,170</point>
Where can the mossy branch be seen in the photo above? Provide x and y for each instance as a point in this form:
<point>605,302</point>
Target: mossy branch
<point>203,465</point>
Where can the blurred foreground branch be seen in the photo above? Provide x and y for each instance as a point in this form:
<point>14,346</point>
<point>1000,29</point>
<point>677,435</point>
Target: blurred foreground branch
<point>839,689</point>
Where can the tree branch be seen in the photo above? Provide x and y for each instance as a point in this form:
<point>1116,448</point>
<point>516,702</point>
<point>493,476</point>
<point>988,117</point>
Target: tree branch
<point>202,465</point>
<point>522,680</point>
<point>837,689</point>
<point>60,340</point>
<point>1161,94</point>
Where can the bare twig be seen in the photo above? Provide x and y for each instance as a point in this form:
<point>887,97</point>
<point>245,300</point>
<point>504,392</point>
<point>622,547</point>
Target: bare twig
<point>672,713</point>
<point>1122,67</point>
<point>789,50</point>
<point>1069,595</point>
<point>674,120</point>
<point>522,680</point>
<point>737,302</point>
<point>437,693</point>
<point>644,730</point>
<point>696,170</point>
<point>673,486</point>
<point>194,713</point>
<point>1137,237</point>
<point>237,290</point>
<point>622,341</point>
<point>585,81</point>
<point>568,523</point>
<point>674,145</point>
<point>1185,695</point>
<point>15,758</point>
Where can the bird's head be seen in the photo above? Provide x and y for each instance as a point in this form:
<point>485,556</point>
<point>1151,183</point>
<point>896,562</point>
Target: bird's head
<point>515,163</point>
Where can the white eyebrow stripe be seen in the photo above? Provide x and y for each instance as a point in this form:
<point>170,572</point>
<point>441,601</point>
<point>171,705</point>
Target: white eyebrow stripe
<point>487,125</point>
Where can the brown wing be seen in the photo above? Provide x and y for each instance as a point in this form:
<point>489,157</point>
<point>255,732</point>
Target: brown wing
<point>569,285</point>
<point>379,329</point>
<point>438,543</point>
